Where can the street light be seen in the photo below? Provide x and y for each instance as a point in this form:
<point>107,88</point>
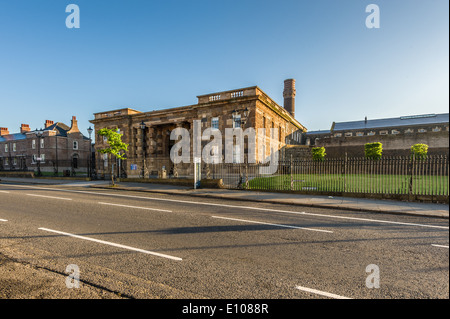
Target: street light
<point>39,134</point>
<point>143,128</point>
<point>90,130</point>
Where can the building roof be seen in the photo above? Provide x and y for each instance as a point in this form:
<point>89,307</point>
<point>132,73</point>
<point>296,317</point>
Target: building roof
<point>12,137</point>
<point>60,128</point>
<point>423,119</point>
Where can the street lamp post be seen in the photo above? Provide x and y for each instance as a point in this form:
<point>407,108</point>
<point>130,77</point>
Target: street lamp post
<point>39,134</point>
<point>143,128</point>
<point>90,130</point>
<point>243,121</point>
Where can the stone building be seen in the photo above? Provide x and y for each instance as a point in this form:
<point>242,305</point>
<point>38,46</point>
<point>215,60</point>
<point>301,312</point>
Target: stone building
<point>396,134</point>
<point>149,146</point>
<point>59,150</point>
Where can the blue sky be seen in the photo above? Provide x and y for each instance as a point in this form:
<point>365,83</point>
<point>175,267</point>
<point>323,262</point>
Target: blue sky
<point>149,55</point>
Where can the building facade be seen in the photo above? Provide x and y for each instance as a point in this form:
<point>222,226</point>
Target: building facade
<point>148,133</point>
<point>396,134</point>
<point>58,150</point>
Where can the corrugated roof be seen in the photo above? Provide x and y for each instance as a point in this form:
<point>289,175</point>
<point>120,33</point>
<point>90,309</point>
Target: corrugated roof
<point>424,119</point>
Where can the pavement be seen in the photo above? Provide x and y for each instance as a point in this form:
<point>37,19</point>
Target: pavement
<point>333,202</point>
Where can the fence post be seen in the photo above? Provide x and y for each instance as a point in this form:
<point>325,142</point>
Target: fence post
<point>411,175</point>
<point>292,176</point>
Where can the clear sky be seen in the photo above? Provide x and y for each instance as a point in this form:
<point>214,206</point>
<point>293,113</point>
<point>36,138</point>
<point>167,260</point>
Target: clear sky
<point>150,55</point>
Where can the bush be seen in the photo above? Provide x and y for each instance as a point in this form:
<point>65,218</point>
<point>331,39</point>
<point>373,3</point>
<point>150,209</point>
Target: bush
<point>318,153</point>
<point>419,151</point>
<point>373,150</point>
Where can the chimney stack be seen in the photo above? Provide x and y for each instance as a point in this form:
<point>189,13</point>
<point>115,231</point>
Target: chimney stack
<point>289,96</point>
<point>48,123</point>
<point>74,127</point>
<point>24,128</point>
<point>4,131</point>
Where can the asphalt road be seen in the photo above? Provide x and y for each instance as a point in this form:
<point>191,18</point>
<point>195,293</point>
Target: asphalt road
<point>137,245</point>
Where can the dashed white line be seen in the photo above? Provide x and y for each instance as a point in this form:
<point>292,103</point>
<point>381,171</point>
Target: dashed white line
<point>442,246</point>
<point>5,192</point>
<point>112,244</point>
<point>3,220</point>
<point>322,293</point>
<point>136,207</point>
<point>240,207</point>
<point>278,225</point>
<point>51,197</point>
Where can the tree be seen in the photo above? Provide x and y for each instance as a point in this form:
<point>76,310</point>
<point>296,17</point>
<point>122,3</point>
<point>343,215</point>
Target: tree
<point>419,151</point>
<point>318,153</point>
<point>114,140</point>
<point>373,150</point>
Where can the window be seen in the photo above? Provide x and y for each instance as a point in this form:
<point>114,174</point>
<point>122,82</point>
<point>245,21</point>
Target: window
<point>383,132</point>
<point>421,130</point>
<point>14,162</point>
<point>6,161</point>
<point>42,143</point>
<point>6,148</point>
<point>371,133</point>
<point>33,144</point>
<point>348,134</point>
<point>14,147</point>
<point>237,121</point>
<point>359,133</point>
<point>338,135</point>
<point>215,123</point>
<point>75,145</point>
<point>42,158</point>
<point>395,132</point>
<point>409,131</point>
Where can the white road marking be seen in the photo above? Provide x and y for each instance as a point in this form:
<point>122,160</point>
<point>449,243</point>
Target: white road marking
<point>279,225</point>
<point>51,197</point>
<point>112,244</point>
<point>442,246</point>
<point>239,207</point>
<point>137,207</point>
<point>322,293</point>
<point>3,220</point>
<point>6,192</point>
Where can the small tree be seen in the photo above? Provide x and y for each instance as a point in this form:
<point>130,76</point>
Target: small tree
<point>114,140</point>
<point>318,153</point>
<point>419,151</point>
<point>373,150</point>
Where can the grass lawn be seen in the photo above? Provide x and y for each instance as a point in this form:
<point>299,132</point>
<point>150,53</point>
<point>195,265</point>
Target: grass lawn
<point>357,183</point>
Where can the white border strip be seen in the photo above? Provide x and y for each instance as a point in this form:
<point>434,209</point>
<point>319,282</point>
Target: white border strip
<point>322,293</point>
<point>112,244</point>
<point>137,207</point>
<point>278,225</point>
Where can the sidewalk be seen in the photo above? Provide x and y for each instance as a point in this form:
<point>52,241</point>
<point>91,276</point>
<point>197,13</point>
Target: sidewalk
<point>342,203</point>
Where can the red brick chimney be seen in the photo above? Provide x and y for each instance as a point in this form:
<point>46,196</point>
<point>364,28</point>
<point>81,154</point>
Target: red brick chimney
<point>24,128</point>
<point>4,131</point>
<point>289,96</point>
<point>48,123</point>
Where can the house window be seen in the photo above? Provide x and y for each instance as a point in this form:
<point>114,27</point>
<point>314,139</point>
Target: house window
<point>6,161</point>
<point>14,161</point>
<point>371,133</point>
<point>359,133</point>
<point>42,143</point>
<point>348,134</point>
<point>6,148</point>
<point>33,144</point>
<point>34,159</point>
<point>422,130</point>
<point>437,129</point>
<point>42,160</point>
<point>409,131</point>
<point>395,132</point>
<point>14,147</point>
<point>383,132</point>
<point>215,123</point>
<point>338,135</point>
<point>75,145</point>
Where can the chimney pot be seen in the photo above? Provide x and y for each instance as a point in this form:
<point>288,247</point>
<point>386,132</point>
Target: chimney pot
<point>24,128</point>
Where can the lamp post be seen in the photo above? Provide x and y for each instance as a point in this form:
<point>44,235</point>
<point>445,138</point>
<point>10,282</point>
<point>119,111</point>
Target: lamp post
<point>39,134</point>
<point>143,128</point>
<point>90,130</point>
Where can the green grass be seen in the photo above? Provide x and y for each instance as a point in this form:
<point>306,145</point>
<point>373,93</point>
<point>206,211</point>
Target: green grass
<point>358,183</point>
